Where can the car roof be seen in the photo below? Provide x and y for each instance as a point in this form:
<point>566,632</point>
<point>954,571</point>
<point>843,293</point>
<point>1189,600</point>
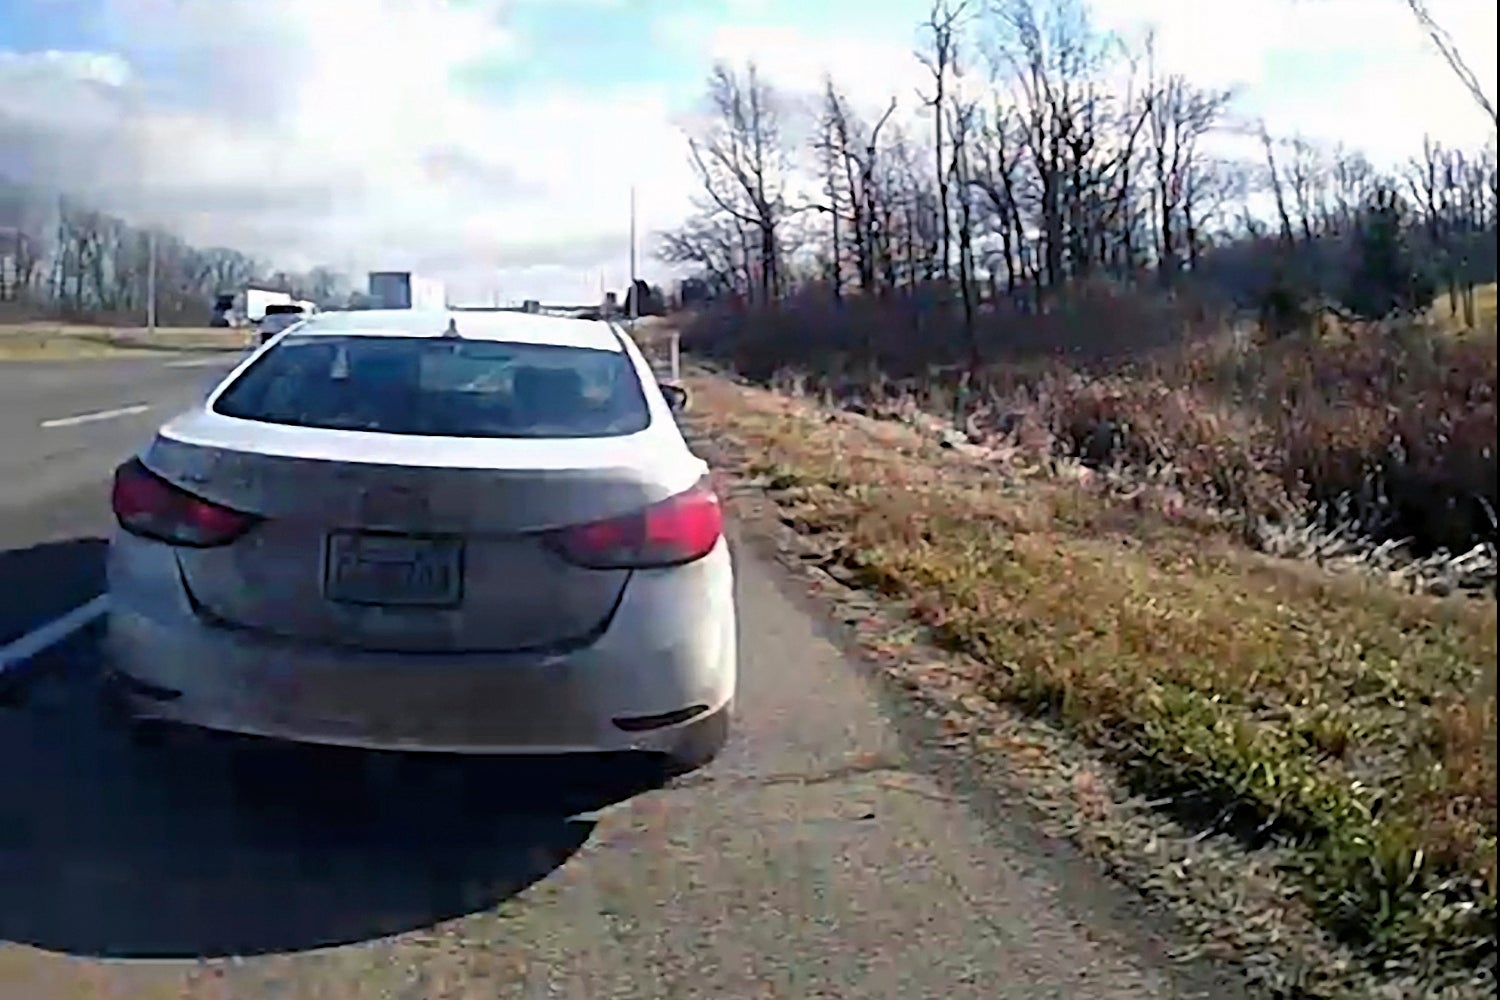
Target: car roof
<point>515,327</point>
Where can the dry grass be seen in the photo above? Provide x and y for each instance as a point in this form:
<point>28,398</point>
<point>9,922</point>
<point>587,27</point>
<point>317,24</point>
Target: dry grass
<point>1390,429</point>
<point>1449,314</point>
<point>1396,427</point>
<point>55,341</point>
<point>1265,697</point>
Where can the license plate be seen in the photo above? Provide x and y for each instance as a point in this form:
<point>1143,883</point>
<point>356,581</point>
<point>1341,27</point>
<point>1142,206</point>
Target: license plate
<point>393,569</point>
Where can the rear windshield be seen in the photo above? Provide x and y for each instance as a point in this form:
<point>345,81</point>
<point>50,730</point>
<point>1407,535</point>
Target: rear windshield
<point>442,387</point>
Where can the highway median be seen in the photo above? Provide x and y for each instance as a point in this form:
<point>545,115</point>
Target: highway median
<point>58,341</point>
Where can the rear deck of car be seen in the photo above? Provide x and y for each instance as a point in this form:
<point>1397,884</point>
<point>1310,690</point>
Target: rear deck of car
<point>520,328</point>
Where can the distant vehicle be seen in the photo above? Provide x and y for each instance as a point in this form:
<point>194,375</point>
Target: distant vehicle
<point>461,532</point>
<point>405,290</point>
<point>279,317</point>
<point>248,305</point>
<point>223,312</point>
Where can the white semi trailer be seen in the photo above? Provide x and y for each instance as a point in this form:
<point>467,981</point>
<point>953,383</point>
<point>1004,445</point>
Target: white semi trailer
<point>405,290</point>
<point>257,299</point>
<point>246,306</point>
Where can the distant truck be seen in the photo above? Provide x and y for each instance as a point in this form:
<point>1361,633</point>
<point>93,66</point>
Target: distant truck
<point>246,306</point>
<point>405,290</point>
<point>280,315</point>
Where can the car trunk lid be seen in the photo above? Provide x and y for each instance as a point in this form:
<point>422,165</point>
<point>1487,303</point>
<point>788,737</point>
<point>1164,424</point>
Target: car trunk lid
<point>438,547</point>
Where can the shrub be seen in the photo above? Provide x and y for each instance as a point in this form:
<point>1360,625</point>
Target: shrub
<point>1387,279</point>
<point>1392,426</point>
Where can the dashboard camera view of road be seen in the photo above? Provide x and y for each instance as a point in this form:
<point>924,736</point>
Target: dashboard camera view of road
<point>953,499</point>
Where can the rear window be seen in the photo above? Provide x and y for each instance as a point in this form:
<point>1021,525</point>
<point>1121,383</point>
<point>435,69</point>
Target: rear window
<point>442,387</point>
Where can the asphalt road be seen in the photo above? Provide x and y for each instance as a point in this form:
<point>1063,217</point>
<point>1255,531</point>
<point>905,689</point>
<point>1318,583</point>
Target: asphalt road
<point>818,857</point>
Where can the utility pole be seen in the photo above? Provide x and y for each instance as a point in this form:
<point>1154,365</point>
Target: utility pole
<point>151,282</point>
<point>635,304</point>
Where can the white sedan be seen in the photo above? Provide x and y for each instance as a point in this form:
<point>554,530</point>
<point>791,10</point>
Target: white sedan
<point>471,532</point>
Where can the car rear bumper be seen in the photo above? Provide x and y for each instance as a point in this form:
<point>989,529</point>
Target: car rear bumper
<point>653,682</point>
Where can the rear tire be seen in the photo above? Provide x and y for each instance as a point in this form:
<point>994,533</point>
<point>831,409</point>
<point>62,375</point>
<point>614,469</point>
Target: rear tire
<point>148,734</point>
<point>142,731</point>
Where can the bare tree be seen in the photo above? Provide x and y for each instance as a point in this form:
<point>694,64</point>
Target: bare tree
<point>1051,56</point>
<point>63,257</point>
<point>1277,188</point>
<point>711,242</point>
<point>23,242</point>
<point>962,114</point>
<point>743,165</point>
<point>910,215</point>
<point>832,148</point>
<point>943,23</point>
<point>1076,158</point>
<point>1448,189</point>
<point>1179,116</point>
<point>1448,49</point>
<point>856,198</point>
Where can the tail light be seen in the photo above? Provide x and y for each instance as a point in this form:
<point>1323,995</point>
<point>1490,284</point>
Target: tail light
<point>679,529</point>
<point>149,506</point>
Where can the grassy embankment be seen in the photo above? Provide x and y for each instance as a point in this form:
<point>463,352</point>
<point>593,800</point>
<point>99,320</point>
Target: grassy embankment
<point>1354,719</point>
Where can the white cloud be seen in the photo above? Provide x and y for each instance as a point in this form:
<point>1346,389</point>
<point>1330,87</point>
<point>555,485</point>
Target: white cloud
<point>870,68</point>
<point>334,131</point>
<point>1360,72</point>
<point>870,61</point>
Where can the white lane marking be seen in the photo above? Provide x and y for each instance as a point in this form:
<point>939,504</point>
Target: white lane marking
<point>202,362</point>
<point>88,418</point>
<point>52,633</point>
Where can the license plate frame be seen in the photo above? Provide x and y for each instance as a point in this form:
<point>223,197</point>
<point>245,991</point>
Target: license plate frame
<point>344,551</point>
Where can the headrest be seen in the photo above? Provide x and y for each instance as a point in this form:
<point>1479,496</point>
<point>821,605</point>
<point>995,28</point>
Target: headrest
<point>548,391</point>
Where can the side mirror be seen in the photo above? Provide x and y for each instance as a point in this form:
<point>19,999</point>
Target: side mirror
<point>676,396</point>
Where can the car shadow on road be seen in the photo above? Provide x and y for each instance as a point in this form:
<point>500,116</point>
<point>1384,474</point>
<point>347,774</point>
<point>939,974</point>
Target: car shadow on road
<point>208,846</point>
<point>43,581</point>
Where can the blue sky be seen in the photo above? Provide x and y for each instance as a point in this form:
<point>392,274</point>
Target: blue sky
<point>39,24</point>
<point>496,139</point>
<point>606,44</point>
